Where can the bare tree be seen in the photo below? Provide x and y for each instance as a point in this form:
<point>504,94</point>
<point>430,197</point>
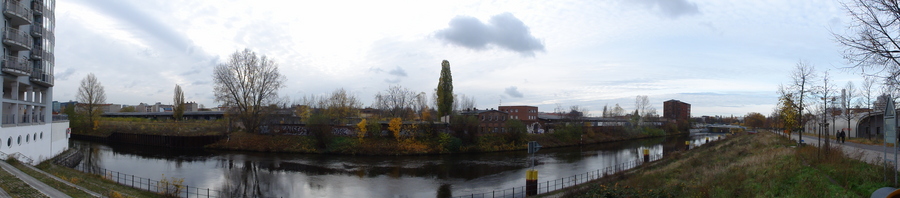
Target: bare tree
<point>802,81</point>
<point>461,103</point>
<point>92,97</point>
<point>866,92</point>
<point>396,102</point>
<point>643,108</point>
<point>617,111</point>
<point>247,84</point>
<point>872,43</point>
<point>848,95</point>
<point>826,92</point>
<point>178,103</point>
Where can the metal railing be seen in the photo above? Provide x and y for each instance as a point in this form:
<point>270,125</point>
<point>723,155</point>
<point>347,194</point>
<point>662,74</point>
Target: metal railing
<point>42,77</point>
<point>18,37</point>
<point>168,188</point>
<point>17,66</point>
<point>552,185</point>
<point>14,8</point>
<point>9,119</point>
<point>37,29</point>
<point>37,7</point>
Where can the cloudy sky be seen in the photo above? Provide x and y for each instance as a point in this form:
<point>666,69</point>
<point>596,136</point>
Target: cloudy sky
<point>723,57</point>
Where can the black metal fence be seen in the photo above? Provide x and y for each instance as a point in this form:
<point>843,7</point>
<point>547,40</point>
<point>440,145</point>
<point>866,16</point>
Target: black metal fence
<point>168,186</point>
<point>552,185</point>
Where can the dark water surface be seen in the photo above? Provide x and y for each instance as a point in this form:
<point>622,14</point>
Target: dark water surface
<point>312,175</point>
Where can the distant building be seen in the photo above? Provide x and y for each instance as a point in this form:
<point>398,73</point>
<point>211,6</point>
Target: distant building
<point>492,121</point>
<point>675,110</point>
<point>527,114</point>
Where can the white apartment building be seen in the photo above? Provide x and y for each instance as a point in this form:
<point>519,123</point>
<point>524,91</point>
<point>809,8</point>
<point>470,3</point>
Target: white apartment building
<point>28,131</point>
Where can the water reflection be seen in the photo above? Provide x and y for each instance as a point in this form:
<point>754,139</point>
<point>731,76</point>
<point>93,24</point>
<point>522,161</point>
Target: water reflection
<point>248,174</point>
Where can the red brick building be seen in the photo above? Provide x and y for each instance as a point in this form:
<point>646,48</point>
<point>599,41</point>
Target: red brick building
<point>492,121</point>
<point>527,114</point>
<point>675,110</point>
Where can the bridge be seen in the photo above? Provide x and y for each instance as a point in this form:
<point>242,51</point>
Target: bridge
<point>723,128</point>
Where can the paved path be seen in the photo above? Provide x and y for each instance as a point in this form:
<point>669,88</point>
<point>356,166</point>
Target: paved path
<point>31,181</point>
<point>868,153</point>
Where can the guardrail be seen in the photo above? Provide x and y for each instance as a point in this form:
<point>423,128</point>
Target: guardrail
<point>552,185</point>
<point>166,187</point>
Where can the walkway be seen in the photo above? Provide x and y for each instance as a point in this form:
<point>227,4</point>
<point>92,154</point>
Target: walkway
<point>31,181</point>
<point>868,153</point>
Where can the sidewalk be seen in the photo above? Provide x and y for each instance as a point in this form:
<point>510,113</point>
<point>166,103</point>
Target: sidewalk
<point>868,153</point>
<point>31,181</point>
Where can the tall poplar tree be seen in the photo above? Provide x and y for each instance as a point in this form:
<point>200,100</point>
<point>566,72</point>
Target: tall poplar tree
<point>178,103</point>
<point>445,90</point>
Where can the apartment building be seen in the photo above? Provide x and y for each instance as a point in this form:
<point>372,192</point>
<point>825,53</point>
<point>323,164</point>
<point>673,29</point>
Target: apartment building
<point>28,131</point>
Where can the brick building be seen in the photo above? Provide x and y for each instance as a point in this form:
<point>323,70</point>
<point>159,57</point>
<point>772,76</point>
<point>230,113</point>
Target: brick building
<point>492,121</point>
<point>675,110</point>
<point>527,114</point>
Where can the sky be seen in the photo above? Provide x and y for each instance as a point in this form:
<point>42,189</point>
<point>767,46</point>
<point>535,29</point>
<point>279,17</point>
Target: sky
<point>723,57</point>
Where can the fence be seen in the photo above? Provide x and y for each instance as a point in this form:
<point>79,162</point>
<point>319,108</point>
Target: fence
<point>167,187</point>
<point>552,185</point>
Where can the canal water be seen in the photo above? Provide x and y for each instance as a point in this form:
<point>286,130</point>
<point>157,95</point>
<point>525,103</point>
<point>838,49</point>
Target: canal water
<point>254,174</point>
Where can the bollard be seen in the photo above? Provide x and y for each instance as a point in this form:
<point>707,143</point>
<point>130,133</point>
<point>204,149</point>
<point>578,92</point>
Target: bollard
<point>646,155</point>
<point>531,180</point>
<point>707,139</point>
<point>687,145</point>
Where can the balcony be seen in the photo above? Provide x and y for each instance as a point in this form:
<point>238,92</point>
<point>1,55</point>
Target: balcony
<point>18,13</point>
<point>42,78</point>
<point>36,52</point>
<point>17,39</point>
<point>37,6</point>
<point>37,30</point>
<point>16,66</point>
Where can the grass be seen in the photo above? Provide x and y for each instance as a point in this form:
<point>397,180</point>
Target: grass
<point>71,191</point>
<point>93,182</point>
<point>761,165</point>
<point>16,187</point>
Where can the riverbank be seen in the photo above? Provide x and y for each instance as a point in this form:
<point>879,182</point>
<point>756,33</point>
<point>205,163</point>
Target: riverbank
<point>439,144</point>
<point>740,166</point>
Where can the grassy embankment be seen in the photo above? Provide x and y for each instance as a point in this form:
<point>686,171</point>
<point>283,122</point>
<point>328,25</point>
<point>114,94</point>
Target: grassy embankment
<point>92,182</point>
<point>107,126</point>
<point>16,187</point>
<point>762,165</point>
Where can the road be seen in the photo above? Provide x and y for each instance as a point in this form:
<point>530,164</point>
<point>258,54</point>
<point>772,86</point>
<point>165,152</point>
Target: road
<point>868,153</point>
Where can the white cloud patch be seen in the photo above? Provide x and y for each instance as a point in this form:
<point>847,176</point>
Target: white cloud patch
<point>669,8</point>
<point>399,72</point>
<point>503,30</point>
<point>513,92</point>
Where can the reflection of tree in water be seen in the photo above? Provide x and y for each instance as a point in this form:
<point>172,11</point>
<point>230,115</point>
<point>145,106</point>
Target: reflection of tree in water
<point>91,153</point>
<point>445,191</point>
<point>244,178</point>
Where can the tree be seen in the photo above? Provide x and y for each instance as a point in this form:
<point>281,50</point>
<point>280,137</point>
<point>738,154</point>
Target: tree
<point>866,92</point>
<point>788,112</point>
<point>848,95</point>
<point>128,109</point>
<point>800,87</point>
<point>396,101</point>
<point>826,91</point>
<point>247,84</point>
<point>516,130</point>
<point>872,42</point>
<point>445,90</point>
<point>91,97</point>
<point>754,120</point>
<point>643,109</point>
<point>462,102</point>
<point>394,126</point>
<point>341,105</point>
<point>362,127</point>
<point>178,103</point>
<point>617,111</point>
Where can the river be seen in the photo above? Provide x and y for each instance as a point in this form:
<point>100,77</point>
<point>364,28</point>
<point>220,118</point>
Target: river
<point>256,174</point>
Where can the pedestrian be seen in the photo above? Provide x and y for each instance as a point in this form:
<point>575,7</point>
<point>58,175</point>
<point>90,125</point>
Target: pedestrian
<point>841,136</point>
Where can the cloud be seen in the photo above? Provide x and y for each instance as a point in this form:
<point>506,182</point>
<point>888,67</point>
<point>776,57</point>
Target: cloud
<point>65,74</point>
<point>669,8</point>
<point>503,30</point>
<point>513,91</point>
<point>399,72</point>
<point>147,24</point>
